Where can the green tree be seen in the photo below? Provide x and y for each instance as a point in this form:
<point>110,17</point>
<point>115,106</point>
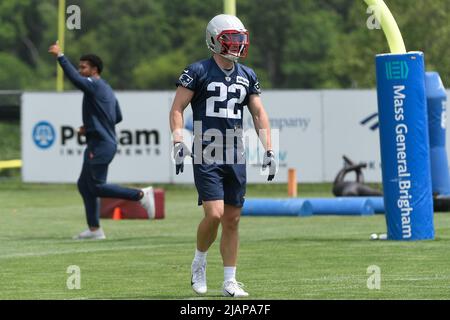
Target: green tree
<point>14,74</point>
<point>146,43</point>
<point>160,73</point>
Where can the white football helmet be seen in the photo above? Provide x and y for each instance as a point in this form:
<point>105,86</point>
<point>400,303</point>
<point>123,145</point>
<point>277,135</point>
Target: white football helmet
<point>227,36</point>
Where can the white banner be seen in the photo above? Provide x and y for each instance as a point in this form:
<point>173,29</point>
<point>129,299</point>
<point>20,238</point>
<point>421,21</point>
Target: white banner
<point>52,151</point>
<point>314,130</point>
<point>295,119</point>
<point>351,129</point>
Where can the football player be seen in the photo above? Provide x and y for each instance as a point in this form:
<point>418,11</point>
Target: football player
<point>218,89</point>
<point>101,113</point>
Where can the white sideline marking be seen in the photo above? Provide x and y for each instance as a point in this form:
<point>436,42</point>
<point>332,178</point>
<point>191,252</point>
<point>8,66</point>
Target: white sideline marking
<point>56,252</point>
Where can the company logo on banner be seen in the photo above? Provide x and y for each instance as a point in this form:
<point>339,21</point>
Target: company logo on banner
<point>397,70</point>
<point>130,142</point>
<point>52,148</point>
<point>301,123</point>
<point>373,118</point>
<point>43,135</point>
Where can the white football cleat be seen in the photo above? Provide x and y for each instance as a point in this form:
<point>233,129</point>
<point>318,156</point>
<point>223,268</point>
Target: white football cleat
<point>198,277</point>
<point>234,289</point>
<point>148,202</point>
<point>91,235</point>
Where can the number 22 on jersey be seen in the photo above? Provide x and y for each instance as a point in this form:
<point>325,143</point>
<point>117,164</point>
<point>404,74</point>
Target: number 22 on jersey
<point>228,112</point>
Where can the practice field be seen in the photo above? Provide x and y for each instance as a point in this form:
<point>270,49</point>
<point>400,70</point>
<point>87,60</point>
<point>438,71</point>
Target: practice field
<point>280,258</point>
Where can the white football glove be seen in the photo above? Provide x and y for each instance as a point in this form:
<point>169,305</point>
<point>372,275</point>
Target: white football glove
<point>180,151</point>
<point>269,161</point>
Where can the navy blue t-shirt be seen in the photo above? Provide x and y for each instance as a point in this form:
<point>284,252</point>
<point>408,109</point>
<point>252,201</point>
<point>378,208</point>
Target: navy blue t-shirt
<point>101,110</point>
<point>219,99</point>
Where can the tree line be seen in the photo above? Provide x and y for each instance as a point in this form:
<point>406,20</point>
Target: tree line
<point>145,44</point>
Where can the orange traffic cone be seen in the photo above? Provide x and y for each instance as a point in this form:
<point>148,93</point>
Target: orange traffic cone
<point>117,214</point>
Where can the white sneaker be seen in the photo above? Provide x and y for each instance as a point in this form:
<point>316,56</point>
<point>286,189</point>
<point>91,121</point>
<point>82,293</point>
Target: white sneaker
<point>198,277</point>
<point>148,202</point>
<point>234,289</point>
<point>93,235</point>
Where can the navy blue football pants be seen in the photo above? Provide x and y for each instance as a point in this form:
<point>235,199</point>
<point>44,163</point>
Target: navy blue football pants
<point>92,182</point>
<point>225,182</point>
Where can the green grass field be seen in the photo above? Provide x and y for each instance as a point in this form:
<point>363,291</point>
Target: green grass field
<point>280,258</point>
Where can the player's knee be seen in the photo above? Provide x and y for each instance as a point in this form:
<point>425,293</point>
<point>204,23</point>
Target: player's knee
<point>230,222</point>
<point>215,216</point>
<point>97,189</point>
<point>213,211</point>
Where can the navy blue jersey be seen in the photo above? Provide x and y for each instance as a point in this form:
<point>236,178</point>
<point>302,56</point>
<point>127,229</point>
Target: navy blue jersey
<point>219,99</point>
<point>101,111</point>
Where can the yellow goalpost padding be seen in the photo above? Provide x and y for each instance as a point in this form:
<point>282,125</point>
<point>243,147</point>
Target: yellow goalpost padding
<point>389,25</point>
<point>61,41</point>
<point>10,164</point>
<point>229,7</point>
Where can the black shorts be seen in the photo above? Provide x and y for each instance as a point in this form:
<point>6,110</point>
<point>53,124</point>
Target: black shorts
<point>225,182</point>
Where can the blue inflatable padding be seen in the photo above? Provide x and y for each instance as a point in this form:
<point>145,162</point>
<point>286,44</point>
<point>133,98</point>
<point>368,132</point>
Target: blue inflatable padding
<point>277,207</point>
<point>316,206</point>
<point>405,146</point>
<point>439,171</point>
<point>436,103</point>
<point>378,204</point>
<point>434,87</point>
<point>342,206</point>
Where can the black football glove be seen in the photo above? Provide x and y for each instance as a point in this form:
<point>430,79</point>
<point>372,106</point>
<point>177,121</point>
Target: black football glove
<point>269,161</point>
<point>180,151</point>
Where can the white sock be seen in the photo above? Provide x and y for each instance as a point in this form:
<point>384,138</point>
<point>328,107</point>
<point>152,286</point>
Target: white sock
<point>200,257</point>
<point>229,273</point>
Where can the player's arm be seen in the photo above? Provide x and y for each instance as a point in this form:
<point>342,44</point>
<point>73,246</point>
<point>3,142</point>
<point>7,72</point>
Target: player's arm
<point>262,126</point>
<point>182,99</point>
<point>84,84</point>
<point>260,120</point>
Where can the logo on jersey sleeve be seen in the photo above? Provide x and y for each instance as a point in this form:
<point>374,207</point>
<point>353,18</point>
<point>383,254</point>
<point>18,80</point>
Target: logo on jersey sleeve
<point>185,79</point>
<point>257,88</point>
<point>243,81</point>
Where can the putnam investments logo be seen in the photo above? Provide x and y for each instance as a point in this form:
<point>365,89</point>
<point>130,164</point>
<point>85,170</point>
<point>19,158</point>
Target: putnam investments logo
<point>44,135</point>
<point>68,142</point>
<point>397,70</point>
